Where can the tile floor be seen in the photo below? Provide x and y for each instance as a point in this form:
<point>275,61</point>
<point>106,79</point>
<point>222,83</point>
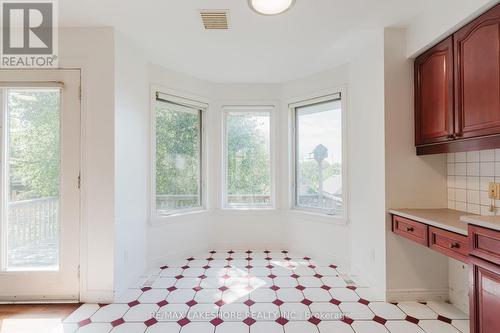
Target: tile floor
<point>258,291</point>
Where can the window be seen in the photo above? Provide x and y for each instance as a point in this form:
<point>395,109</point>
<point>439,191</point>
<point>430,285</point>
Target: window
<point>248,182</point>
<point>178,155</point>
<point>319,183</point>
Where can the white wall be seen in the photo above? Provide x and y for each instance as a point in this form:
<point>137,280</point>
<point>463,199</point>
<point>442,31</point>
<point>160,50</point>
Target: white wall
<point>445,18</point>
<point>413,271</point>
<point>92,49</point>
<point>367,165</point>
<point>131,162</point>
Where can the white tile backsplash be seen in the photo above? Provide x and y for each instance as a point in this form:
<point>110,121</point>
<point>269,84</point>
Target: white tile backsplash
<point>468,177</point>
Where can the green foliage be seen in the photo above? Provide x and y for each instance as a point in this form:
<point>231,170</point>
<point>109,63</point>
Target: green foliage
<point>34,143</point>
<point>248,157</point>
<point>177,152</point>
<point>309,173</point>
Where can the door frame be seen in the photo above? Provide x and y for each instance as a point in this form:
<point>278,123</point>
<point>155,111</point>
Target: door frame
<point>81,66</point>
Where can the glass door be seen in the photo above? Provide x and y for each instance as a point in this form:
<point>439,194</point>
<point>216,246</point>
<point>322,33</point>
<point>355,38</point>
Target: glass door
<point>40,185</point>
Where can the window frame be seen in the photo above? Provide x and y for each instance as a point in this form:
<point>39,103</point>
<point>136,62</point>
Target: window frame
<point>226,109</point>
<point>293,105</point>
<point>186,101</point>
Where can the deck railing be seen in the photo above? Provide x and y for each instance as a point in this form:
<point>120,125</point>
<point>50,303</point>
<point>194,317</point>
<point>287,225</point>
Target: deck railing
<point>33,221</point>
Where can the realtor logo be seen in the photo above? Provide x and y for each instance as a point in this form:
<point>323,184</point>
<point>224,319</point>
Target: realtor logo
<point>29,34</point>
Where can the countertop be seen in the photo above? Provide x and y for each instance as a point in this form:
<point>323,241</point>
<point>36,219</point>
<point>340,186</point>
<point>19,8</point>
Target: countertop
<point>490,222</point>
<point>447,219</point>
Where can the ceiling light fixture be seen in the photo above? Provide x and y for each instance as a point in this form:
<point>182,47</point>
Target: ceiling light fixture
<point>270,7</point>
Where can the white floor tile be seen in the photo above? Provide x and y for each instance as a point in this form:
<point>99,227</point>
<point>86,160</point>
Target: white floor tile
<point>369,295</point>
<point>172,312</point>
<point>163,328</point>
<point>317,295</point>
<point>289,295</point>
<point>193,272</point>
<point>129,328</point>
<point>181,296</point>
<point>344,294</point>
<point>437,326</point>
<point>300,327</point>
<point>310,281</point>
<point>281,271</point>
<point>259,263</point>
<point>326,271</point>
<point>462,325</point>
<point>164,282</point>
<point>235,296</point>
<point>265,312</point>
<point>203,312</point>
<point>187,283</point>
<point>333,281</point>
<point>260,282</point>
<point>263,295</point>
<point>386,310</point>
<point>170,272</point>
<point>334,327</point>
<point>198,327</point>
<point>83,312</point>
<point>177,263</point>
<point>109,313</point>
<point>232,327</point>
<point>356,310</point>
<point>153,296</point>
<point>141,312</point>
<point>366,326</point>
<point>285,282</point>
<point>304,271</point>
<point>95,328</point>
<point>211,282</point>
<point>264,327</point>
<point>326,311</point>
<point>208,296</point>
<point>234,312</point>
<point>417,310</point>
<point>295,311</point>
<point>260,271</point>
<point>402,326</point>
<point>128,296</point>
<point>447,310</point>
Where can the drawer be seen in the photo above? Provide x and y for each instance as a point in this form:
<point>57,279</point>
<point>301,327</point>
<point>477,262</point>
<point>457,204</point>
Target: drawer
<point>484,243</point>
<point>449,243</point>
<point>410,229</point>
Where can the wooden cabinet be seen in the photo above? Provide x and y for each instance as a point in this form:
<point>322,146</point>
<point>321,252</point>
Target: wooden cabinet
<point>410,229</point>
<point>449,243</point>
<point>485,297</point>
<point>457,90</point>
<point>484,292</point>
<point>477,76</point>
<point>434,94</point>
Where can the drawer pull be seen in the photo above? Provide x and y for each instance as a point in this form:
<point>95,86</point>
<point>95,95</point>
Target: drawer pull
<point>410,229</point>
<point>455,245</point>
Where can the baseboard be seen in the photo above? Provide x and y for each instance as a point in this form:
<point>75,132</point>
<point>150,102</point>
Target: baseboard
<point>402,295</point>
<point>96,296</point>
<point>243,246</point>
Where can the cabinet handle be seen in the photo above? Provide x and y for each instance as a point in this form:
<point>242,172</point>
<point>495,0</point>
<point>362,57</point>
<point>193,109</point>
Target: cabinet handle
<point>455,245</point>
<point>410,229</point>
<point>450,136</point>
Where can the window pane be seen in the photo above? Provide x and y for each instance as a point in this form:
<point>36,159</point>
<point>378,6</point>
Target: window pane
<point>248,158</point>
<point>319,157</point>
<point>33,164</point>
<point>178,157</point>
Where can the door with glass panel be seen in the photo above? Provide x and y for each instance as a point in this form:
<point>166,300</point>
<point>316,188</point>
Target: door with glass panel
<point>40,162</point>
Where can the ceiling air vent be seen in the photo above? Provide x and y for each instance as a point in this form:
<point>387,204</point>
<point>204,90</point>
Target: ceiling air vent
<point>214,19</point>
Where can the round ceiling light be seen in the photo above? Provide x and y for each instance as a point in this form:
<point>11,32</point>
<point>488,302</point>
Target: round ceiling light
<point>270,7</point>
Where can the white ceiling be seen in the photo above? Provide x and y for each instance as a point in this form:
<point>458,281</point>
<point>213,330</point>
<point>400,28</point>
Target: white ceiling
<point>315,35</point>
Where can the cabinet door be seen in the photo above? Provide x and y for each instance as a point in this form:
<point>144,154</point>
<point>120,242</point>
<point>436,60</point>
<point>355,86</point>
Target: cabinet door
<point>485,297</point>
<point>434,94</point>
<point>477,76</point>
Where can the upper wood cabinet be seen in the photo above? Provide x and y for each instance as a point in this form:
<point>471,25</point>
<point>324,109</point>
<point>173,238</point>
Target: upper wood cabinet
<point>457,90</point>
<point>434,94</point>
<point>477,76</point>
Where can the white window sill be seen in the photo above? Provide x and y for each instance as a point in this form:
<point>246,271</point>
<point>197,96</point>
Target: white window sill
<point>176,217</point>
<point>318,216</point>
